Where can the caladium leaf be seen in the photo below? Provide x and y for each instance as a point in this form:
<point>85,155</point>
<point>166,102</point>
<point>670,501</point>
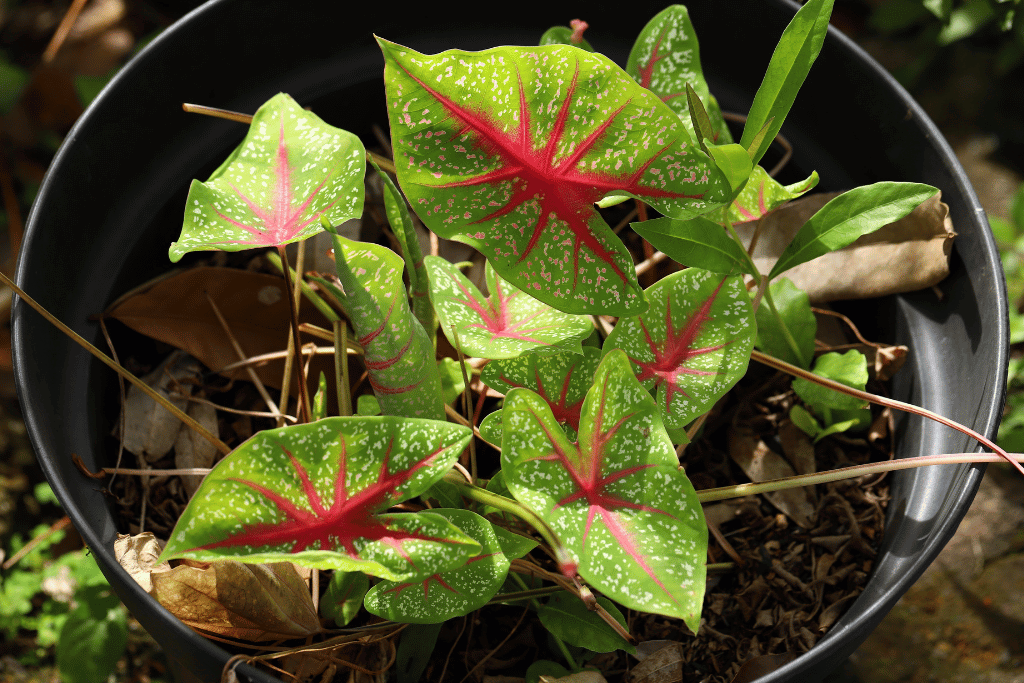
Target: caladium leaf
<point>291,170</point>
<point>693,344</point>
<point>562,379</point>
<point>762,194</point>
<point>698,243</point>
<point>617,500</point>
<point>503,325</point>
<point>344,597</point>
<point>666,58</point>
<point>508,149</point>
<point>399,357</point>
<point>316,494</point>
<point>450,594</point>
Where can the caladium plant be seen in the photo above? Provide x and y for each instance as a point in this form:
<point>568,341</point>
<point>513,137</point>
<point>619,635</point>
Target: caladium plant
<point>508,150</point>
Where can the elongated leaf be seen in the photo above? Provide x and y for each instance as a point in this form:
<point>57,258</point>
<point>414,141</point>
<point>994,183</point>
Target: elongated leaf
<point>857,212</point>
<point>450,594</point>
<point>698,243</point>
<point>791,62</point>
<point>401,224</point>
<point>763,194</point>
<point>562,379</point>
<point>734,162</point>
<point>399,355</point>
<point>503,325</point>
<point>795,309</point>
<point>508,149</point>
<point>415,649</point>
<point>291,170</point>
<point>666,58</point>
<point>616,499</point>
<point>315,494</point>
<point>693,344</point>
<point>568,619</point>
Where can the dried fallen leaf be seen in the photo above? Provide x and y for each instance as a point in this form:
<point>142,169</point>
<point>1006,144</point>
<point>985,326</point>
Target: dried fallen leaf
<point>150,429</point>
<point>193,450</point>
<point>910,254</point>
<point>798,448</point>
<point>138,555</point>
<point>661,665</point>
<point>762,464</point>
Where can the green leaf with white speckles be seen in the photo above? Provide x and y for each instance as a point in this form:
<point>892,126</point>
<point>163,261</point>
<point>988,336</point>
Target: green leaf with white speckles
<point>399,355</point>
<point>449,594</point>
<point>505,324</point>
<point>291,170</point>
<point>616,499</point>
<point>665,58</point>
<point>763,194</point>
<point>316,494</point>
<point>693,344</point>
<point>508,149</point>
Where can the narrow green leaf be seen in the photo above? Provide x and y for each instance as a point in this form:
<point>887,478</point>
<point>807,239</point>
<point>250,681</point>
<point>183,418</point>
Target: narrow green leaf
<point>291,170</point>
<point>344,597</point>
<point>693,344</point>
<point>505,324</point>
<point>803,419</point>
<point>795,309</point>
<point>698,243</point>
<point>699,118</point>
<point>734,162</point>
<point>415,650</point>
<point>320,399</point>
<point>755,144</point>
<point>448,594</point>
<point>859,211</point>
<point>849,368</point>
<point>316,495</point>
<point>791,62</point>
<point>616,499</point>
<point>569,620</point>
<point>665,59</point>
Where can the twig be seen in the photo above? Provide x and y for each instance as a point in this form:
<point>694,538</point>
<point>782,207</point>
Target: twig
<point>62,523</point>
<point>303,396</point>
<point>499,646</point>
<point>63,29</point>
<point>465,401</point>
<point>648,263</point>
<point>235,411</point>
<point>276,355</point>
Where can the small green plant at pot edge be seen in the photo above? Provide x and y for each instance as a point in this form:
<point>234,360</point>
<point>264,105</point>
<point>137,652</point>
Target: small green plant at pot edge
<point>510,151</point>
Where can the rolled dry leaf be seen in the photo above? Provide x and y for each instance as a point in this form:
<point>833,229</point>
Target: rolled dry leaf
<point>150,429</point>
<point>910,254</point>
<point>193,450</point>
<point>138,554</point>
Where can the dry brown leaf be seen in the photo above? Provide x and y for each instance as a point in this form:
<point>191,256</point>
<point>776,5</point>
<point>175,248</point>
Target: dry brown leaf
<point>138,555</point>
<point>762,464</point>
<point>798,448</point>
<point>910,254</point>
<point>661,665</point>
<point>193,450</point>
<point>175,310</point>
<point>150,429</point>
<point>255,602</point>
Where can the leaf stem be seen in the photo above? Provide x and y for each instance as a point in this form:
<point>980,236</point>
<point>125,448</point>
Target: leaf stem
<point>341,379</point>
<point>310,295</point>
<point>110,363</point>
<point>303,395</point>
<point>882,401</point>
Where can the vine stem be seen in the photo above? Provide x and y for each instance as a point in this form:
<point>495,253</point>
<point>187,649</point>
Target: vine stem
<point>113,365</point>
<point>882,401</point>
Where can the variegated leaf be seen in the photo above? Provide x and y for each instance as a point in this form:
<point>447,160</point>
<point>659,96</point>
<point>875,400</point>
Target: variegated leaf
<point>508,149</point>
<point>399,357</point>
<point>693,344</point>
<point>617,500</point>
<point>505,324</point>
<point>316,494</point>
<point>665,58</point>
<point>763,194</point>
<point>450,594</point>
<point>291,170</point>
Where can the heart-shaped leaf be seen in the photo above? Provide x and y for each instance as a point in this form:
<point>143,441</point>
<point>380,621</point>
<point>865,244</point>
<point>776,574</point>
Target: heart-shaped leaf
<point>315,494</point>
<point>666,58</point>
<point>617,499</point>
<point>762,194</point>
<point>450,594</point>
<point>562,379</point>
<point>693,344</point>
<point>508,149</point>
<point>503,325</point>
<point>399,356</point>
<point>291,170</point>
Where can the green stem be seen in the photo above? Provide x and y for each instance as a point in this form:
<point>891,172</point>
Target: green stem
<point>525,594</point>
<point>341,380</point>
<point>475,493</point>
<point>307,291</point>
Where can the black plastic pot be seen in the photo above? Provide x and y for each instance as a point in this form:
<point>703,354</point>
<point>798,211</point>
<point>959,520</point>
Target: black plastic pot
<point>112,203</point>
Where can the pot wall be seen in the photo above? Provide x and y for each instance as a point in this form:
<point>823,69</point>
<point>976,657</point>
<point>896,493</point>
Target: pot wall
<point>112,203</point>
